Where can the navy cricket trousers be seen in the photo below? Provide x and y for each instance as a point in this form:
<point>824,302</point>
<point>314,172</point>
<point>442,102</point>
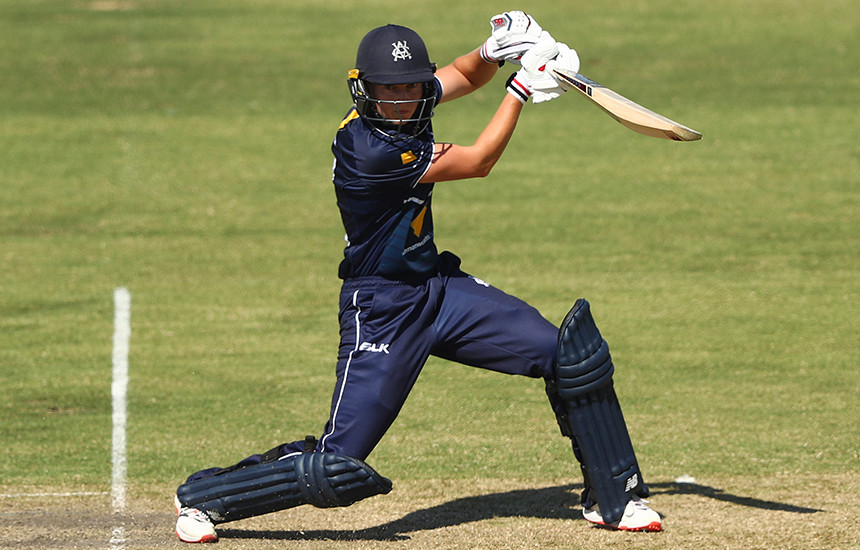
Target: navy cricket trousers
<point>388,329</point>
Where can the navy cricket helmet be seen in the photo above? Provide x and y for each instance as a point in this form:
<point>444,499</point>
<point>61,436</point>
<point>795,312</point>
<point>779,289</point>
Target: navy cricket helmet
<point>387,55</point>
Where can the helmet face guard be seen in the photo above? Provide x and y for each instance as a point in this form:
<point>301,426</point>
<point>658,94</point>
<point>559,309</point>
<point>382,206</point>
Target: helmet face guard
<point>393,55</point>
<point>370,108</point>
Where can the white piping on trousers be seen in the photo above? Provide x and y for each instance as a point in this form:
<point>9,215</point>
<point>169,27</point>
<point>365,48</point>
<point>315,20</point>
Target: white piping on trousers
<point>346,370</point>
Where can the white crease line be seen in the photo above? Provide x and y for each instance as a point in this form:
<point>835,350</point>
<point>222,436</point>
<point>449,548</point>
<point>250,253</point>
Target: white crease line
<point>119,394</point>
<point>57,495</point>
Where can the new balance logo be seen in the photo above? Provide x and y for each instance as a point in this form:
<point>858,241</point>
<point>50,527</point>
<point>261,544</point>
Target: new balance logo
<point>632,482</point>
<point>373,348</point>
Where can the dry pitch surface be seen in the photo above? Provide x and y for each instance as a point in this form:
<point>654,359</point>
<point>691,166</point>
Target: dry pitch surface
<point>786,512</point>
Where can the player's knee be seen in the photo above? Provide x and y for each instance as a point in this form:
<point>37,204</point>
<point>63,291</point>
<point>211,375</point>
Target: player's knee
<point>329,480</point>
<point>583,362</point>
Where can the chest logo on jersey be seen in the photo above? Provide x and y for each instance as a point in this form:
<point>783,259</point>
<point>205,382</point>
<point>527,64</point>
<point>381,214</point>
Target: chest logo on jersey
<point>373,348</point>
<point>408,157</point>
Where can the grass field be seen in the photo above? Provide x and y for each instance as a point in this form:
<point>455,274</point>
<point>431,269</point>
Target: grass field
<point>181,149</point>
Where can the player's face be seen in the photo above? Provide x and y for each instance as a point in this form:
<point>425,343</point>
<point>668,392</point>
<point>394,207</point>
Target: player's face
<point>403,97</point>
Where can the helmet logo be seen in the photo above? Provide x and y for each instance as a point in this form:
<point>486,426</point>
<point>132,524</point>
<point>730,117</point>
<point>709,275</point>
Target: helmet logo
<point>400,51</point>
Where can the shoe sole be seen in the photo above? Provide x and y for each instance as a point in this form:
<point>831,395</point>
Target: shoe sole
<point>204,538</point>
<point>653,527</point>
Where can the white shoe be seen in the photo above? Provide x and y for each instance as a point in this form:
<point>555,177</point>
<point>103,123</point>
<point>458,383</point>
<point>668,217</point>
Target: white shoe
<point>193,525</point>
<point>637,517</point>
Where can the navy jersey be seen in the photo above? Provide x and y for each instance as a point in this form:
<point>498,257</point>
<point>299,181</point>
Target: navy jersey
<point>385,211</point>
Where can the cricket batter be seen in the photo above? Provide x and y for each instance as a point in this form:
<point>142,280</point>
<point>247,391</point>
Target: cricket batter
<point>403,301</point>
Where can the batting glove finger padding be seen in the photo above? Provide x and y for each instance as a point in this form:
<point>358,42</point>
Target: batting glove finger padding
<point>549,86</point>
<point>534,64</point>
<point>513,34</point>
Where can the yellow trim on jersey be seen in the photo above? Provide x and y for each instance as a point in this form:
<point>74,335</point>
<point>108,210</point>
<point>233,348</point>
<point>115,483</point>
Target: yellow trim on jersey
<point>408,157</point>
<point>353,114</point>
<point>418,223</point>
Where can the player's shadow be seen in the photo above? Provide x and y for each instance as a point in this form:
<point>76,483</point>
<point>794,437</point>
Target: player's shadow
<point>546,503</point>
<point>719,494</point>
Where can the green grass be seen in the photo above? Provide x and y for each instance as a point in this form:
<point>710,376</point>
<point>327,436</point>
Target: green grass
<point>181,149</point>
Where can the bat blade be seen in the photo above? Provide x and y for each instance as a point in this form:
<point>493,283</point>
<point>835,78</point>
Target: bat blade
<point>628,112</point>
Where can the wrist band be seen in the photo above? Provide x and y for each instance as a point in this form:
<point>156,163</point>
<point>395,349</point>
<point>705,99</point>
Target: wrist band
<point>518,89</point>
<point>485,55</point>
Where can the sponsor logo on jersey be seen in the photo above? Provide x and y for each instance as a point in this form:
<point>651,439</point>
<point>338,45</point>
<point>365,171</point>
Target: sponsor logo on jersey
<point>408,157</point>
<point>373,348</point>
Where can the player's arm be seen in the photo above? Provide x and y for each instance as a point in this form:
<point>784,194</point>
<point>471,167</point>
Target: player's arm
<point>465,75</point>
<point>457,162</point>
<point>516,38</point>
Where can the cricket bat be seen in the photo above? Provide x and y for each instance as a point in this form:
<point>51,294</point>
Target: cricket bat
<point>627,112</point>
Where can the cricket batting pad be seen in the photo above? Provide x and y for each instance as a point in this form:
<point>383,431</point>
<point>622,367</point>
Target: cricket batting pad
<point>594,416</point>
<point>324,480</point>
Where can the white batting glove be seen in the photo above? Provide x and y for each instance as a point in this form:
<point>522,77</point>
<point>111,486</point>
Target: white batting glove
<point>549,87</point>
<point>513,34</point>
<point>534,65</point>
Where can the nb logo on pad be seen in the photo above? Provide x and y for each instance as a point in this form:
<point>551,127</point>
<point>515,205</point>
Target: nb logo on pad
<point>631,483</point>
